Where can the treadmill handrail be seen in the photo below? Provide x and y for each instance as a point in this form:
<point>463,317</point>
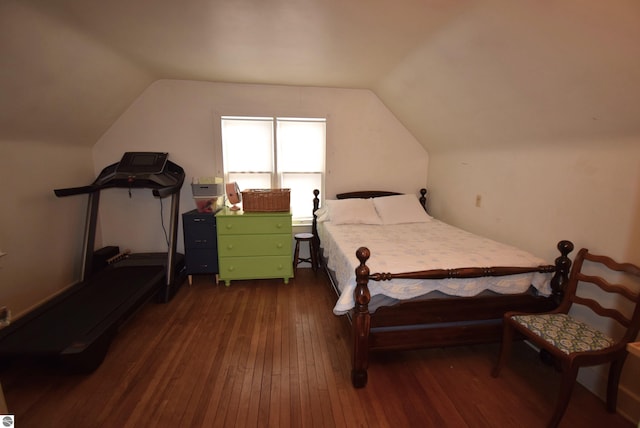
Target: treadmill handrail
<point>107,179</point>
<point>76,190</point>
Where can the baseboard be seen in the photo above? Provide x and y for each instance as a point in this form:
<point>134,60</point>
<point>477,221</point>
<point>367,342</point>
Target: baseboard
<point>629,390</point>
<point>43,301</point>
<point>595,380</point>
<point>629,404</point>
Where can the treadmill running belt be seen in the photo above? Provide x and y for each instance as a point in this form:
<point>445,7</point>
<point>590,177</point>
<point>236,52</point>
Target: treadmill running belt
<point>84,315</point>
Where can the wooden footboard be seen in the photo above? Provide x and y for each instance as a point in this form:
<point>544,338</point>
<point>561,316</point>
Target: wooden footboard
<point>441,322</point>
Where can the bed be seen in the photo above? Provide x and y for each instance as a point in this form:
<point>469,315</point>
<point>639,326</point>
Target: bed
<point>432,284</point>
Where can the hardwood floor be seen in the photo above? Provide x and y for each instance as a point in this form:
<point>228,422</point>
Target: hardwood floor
<point>262,353</point>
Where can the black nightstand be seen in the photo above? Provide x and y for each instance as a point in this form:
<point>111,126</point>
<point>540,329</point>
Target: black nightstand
<point>200,243</point>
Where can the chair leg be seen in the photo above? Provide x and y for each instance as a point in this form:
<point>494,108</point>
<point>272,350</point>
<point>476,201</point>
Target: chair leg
<point>296,253</point>
<point>615,370</point>
<point>505,348</point>
<point>569,376</point>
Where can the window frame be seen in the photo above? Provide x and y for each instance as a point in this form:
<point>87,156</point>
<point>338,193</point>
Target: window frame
<point>277,176</point>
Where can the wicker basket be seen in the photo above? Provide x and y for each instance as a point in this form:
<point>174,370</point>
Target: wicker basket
<point>266,200</point>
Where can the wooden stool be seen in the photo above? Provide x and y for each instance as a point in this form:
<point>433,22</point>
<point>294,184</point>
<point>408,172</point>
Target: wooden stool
<point>313,259</point>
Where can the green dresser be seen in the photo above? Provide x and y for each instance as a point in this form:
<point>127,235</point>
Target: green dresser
<point>254,245</point>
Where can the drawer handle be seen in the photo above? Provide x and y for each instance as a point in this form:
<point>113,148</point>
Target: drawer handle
<point>201,241</point>
<point>231,268</point>
<point>279,225</point>
<point>229,226</point>
<point>197,220</point>
<point>229,246</point>
<point>279,245</point>
<point>280,267</point>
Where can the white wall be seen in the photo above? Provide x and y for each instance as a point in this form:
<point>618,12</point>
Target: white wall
<point>366,145</point>
<point>41,234</point>
<point>534,196</point>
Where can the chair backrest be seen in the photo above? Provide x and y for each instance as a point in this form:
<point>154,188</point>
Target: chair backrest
<point>603,266</point>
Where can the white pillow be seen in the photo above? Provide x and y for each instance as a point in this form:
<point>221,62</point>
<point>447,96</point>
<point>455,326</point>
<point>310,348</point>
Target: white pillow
<point>322,214</point>
<point>351,211</point>
<point>399,209</point>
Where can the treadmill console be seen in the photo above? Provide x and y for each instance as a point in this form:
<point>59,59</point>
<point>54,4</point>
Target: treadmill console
<point>142,163</point>
<point>142,169</point>
<point>149,170</point>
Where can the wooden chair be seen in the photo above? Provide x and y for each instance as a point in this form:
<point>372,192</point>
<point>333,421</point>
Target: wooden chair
<point>573,343</point>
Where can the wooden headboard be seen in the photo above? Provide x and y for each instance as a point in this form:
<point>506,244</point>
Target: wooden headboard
<point>365,194</point>
<point>362,194</point>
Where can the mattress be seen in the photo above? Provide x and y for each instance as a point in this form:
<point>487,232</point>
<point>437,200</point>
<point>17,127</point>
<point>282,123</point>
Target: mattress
<point>411,247</point>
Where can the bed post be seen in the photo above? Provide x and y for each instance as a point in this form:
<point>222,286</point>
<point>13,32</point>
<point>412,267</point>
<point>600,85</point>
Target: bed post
<point>423,199</point>
<point>563,266</point>
<point>314,227</point>
<point>361,321</point>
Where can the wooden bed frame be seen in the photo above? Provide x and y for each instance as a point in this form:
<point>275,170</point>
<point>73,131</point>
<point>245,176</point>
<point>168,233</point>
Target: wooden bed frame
<point>436,322</point>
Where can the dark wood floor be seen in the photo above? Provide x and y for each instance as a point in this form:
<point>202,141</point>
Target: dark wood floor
<point>261,353</point>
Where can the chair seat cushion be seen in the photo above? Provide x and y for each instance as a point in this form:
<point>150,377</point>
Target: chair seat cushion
<point>564,332</point>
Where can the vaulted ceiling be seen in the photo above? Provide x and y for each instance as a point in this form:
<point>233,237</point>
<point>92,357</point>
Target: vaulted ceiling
<point>455,72</point>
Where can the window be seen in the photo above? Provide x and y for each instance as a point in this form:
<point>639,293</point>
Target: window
<point>267,153</point>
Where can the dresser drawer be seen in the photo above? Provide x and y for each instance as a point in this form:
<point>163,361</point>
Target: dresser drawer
<point>206,239</point>
<point>254,245</point>
<point>247,225</point>
<point>256,267</point>
<point>199,230</point>
<point>194,217</point>
<point>201,261</point>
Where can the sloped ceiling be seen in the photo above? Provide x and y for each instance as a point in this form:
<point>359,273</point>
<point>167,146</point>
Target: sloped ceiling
<point>456,73</point>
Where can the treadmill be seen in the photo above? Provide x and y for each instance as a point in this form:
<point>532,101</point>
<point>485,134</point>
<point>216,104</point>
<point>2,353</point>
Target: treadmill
<point>77,326</point>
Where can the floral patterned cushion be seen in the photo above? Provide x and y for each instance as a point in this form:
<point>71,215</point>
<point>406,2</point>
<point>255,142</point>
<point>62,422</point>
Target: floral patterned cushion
<point>565,333</point>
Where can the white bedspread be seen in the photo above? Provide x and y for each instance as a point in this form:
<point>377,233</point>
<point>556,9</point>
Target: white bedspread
<point>421,246</point>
